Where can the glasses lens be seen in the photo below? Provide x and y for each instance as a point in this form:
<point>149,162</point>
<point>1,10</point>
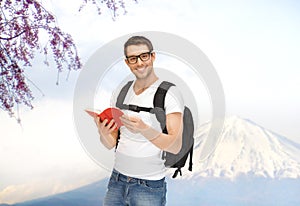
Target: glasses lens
<point>145,56</point>
<point>132,60</point>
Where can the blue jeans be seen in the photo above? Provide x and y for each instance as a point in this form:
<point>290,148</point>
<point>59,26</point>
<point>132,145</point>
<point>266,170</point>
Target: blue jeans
<point>124,190</point>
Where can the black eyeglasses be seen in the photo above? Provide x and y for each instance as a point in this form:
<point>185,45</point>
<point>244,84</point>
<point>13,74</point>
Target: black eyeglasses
<point>144,57</point>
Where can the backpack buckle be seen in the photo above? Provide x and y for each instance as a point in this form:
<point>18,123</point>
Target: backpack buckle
<point>134,108</point>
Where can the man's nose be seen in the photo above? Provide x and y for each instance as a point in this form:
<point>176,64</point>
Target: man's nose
<point>139,61</point>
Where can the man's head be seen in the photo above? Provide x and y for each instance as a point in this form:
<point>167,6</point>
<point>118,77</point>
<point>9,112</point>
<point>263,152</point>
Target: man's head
<point>140,57</point>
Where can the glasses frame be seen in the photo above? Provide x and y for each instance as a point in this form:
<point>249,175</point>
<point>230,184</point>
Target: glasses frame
<point>139,57</point>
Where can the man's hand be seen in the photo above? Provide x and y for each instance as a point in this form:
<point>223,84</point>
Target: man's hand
<point>134,124</point>
<point>105,128</point>
<point>108,132</point>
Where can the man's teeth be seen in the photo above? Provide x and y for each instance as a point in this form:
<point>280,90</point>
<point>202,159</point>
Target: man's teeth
<point>141,69</point>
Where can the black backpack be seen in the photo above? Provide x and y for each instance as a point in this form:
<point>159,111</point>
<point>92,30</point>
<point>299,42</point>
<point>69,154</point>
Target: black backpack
<point>171,160</point>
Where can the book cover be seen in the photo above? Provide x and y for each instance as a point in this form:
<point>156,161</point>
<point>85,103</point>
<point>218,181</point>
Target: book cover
<point>109,114</point>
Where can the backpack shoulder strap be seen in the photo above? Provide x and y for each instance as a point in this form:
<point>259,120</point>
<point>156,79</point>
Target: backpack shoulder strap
<point>159,102</point>
<point>122,95</point>
<point>120,104</point>
<point>191,158</point>
<point>159,97</point>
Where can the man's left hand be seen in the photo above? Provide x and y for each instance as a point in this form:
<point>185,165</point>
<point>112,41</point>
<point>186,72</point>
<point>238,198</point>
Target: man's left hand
<point>134,124</point>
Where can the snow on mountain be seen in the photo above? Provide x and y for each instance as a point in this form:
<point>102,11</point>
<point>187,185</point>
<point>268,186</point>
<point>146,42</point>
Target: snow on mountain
<point>245,148</point>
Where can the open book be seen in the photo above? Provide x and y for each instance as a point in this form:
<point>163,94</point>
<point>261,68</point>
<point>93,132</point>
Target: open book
<point>109,114</point>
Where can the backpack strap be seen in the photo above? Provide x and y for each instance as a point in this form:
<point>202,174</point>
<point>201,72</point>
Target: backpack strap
<point>120,104</point>
<point>122,95</point>
<point>159,102</point>
<point>176,172</point>
<point>118,139</point>
<point>159,99</point>
<point>191,159</point>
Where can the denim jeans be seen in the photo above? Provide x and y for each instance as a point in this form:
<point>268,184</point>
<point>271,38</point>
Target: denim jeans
<point>124,190</point>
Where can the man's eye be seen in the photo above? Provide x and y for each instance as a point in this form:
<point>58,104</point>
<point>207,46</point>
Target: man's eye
<point>144,56</point>
<point>132,59</point>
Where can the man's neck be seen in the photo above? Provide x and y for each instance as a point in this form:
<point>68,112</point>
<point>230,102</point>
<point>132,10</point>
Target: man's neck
<point>142,84</point>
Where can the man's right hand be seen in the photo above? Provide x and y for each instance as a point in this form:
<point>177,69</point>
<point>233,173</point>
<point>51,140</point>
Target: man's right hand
<point>108,132</point>
<point>105,128</point>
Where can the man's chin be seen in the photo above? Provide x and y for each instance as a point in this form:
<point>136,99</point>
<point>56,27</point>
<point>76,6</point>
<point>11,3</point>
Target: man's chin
<point>141,75</point>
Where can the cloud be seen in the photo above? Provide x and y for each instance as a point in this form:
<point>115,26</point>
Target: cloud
<point>38,186</point>
<point>44,156</point>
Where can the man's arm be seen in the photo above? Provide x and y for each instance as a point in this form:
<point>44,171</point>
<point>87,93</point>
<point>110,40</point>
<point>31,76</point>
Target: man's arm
<point>170,142</point>
<point>108,132</point>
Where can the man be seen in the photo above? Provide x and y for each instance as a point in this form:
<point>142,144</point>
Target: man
<point>138,177</point>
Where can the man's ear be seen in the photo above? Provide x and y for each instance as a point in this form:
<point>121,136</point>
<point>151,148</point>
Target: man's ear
<point>153,55</point>
<point>126,61</point>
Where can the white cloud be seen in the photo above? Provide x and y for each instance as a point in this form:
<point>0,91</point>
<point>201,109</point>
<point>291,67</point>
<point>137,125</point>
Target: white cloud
<point>45,155</point>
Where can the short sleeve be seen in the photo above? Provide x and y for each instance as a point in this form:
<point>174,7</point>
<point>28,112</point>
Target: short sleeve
<point>174,101</point>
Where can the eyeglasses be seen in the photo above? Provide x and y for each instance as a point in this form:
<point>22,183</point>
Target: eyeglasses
<point>144,57</point>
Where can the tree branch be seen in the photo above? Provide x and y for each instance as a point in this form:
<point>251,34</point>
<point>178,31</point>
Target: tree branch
<point>10,38</point>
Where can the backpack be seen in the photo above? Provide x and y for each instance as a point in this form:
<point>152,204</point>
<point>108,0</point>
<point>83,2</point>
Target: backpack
<point>171,160</point>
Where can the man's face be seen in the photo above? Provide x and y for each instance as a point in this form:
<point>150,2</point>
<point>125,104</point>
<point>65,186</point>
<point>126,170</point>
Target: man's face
<point>140,61</point>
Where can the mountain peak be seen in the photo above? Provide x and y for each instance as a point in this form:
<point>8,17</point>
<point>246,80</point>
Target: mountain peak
<point>245,148</point>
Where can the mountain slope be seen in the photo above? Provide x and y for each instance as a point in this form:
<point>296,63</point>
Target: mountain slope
<point>84,196</point>
<point>247,148</point>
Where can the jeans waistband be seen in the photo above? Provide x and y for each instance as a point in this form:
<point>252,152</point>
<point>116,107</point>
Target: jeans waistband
<point>124,178</point>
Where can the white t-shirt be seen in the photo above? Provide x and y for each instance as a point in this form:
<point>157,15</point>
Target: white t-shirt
<point>136,156</point>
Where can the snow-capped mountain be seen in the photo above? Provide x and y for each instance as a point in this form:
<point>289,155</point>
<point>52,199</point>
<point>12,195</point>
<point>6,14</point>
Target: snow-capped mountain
<point>245,148</point>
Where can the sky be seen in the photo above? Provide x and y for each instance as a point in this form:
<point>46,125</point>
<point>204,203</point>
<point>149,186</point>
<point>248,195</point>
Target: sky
<point>253,45</point>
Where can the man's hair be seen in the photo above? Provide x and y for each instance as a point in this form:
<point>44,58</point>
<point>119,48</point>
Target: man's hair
<point>138,40</point>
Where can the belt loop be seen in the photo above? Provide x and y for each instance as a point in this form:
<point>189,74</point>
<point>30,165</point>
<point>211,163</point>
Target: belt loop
<point>117,174</point>
<point>142,182</point>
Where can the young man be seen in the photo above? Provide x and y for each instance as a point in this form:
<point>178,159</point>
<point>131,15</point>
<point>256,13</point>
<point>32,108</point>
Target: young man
<point>138,177</point>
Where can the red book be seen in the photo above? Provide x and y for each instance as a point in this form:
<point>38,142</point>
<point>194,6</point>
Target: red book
<point>109,114</point>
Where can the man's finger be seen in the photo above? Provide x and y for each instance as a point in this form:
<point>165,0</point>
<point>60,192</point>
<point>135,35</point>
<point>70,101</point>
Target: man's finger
<point>113,128</point>
<point>125,120</point>
<point>110,123</point>
<point>130,118</point>
<point>96,120</point>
